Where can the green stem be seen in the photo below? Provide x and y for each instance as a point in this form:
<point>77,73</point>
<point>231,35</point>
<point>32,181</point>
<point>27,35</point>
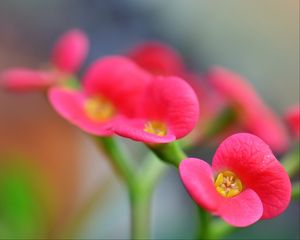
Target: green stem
<point>220,229</point>
<point>117,158</point>
<point>296,191</point>
<point>140,200</point>
<point>203,232</point>
<point>140,196</point>
<point>169,152</point>
<point>151,172</point>
<point>291,162</point>
<point>140,184</point>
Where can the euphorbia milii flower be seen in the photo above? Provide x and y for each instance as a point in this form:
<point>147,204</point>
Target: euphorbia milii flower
<point>293,119</point>
<point>162,60</point>
<point>111,88</point>
<point>158,58</point>
<point>168,112</point>
<point>68,54</point>
<point>254,115</point>
<point>245,183</point>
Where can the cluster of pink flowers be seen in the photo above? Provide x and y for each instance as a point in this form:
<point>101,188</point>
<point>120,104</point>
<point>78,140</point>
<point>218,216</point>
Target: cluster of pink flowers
<point>215,90</point>
<point>116,97</point>
<point>150,96</point>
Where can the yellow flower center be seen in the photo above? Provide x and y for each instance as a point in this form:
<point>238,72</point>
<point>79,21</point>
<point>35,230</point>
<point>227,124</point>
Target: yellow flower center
<point>156,127</point>
<point>99,109</point>
<point>228,184</point>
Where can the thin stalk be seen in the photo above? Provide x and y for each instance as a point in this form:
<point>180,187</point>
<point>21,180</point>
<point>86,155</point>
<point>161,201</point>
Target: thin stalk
<point>291,162</point>
<point>140,184</point>
<point>296,190</point>
<point>151,172</point>
<point>117,158</point>
<point>140,201</point>
<point>141,195</point>
<point>203,231</point>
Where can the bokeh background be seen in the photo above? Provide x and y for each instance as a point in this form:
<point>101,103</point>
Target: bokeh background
<point>49,169</point>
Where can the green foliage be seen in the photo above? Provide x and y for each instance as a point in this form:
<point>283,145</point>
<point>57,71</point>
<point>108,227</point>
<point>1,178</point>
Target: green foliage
<point>20,202</point>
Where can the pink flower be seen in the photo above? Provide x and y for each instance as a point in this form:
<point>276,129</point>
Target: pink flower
<point>253,113</point>
<point>68,54</point>
<point>162,60</point>
<point>70,51</point>
<point>293,119</point>
<point>112,86</point>
<point>245,183</point>
<point>168,112</point>
<point>158,58</point>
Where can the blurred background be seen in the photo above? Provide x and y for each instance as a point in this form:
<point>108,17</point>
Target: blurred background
<point>49,169</point>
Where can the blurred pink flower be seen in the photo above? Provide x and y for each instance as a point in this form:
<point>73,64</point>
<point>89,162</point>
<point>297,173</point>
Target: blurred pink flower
<point>169,111</point>
<point>158,58</point>
<point>112,87</point>
<point>210,105</point>
<point>245,183</point>
<point>254,115</point>
<point>70,51</point>
<point>293,119</point>
<point>68,54</point>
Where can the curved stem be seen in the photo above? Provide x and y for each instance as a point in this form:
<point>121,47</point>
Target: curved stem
<point>296,190</point>
<point>117,158</point>
<point>140,184</point>
<point>291,162</point>
<point>141,195</point>
<point>151,172</point>
<point>169,152</point>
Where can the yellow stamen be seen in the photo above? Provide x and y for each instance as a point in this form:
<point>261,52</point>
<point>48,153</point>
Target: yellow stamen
<point>228,184</point>
<point>156,127</point>
<point>99,109</point>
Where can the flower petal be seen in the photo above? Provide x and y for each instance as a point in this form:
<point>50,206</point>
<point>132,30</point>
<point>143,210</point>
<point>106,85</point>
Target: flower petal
<point>253,162</point>
<point>241,210</point>
<point>118,79</point>
<point>173,101</point>
<point>158,58</point>
<point>70,105</point>
<point>23,79</point>
<point>293,119</point>
<point>266,125</point>
<point>197,177</point>
<point>257,117</point>
<point>233,87</point>
<point>211,104</point>
<point>70,51</point>
<point>134,129</point>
